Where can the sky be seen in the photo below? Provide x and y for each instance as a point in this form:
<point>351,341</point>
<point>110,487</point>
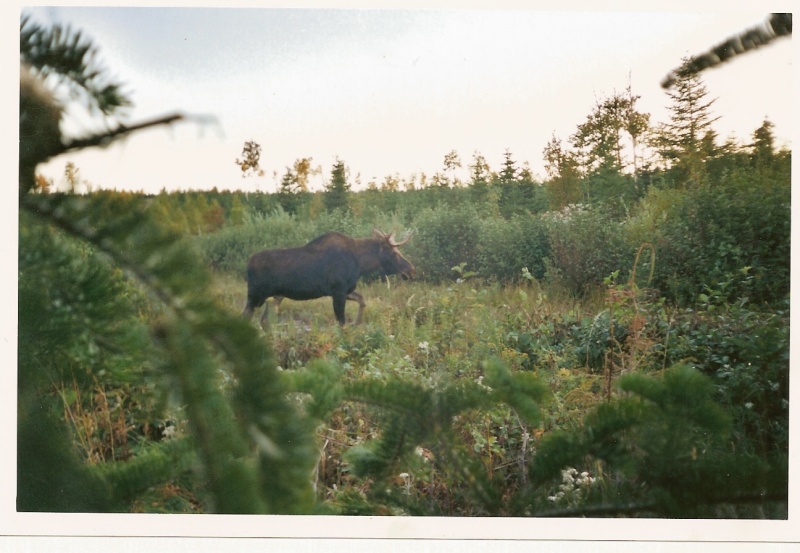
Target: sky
<point>391,91</point>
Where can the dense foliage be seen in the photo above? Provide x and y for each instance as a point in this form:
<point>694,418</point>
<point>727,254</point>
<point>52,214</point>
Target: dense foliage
<point>611,342</point>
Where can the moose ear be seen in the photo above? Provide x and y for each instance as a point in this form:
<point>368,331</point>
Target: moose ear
<point>378,234</point>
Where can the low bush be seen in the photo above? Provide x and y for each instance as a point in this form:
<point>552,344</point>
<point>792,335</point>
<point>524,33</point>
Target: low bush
<point>230,248</point>
<point>445,238</point>
<point>746,355</point>
<point>586,246</point>
<point>705,236</point>
<point>506,247</point>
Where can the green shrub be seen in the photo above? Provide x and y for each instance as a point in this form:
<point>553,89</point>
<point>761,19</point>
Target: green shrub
<point>505,247</point>
<point>663,447</point>
<point>705,236</point>
<point>586,246</point>
<point>445,238</point>
<point>746,355</point>
<point>229,248</point>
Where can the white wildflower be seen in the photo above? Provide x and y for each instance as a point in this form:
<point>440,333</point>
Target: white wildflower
<point>170,432</point>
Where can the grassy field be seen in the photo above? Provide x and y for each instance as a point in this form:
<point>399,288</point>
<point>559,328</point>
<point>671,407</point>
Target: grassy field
<point>461,396</point>
<point>435,335</point>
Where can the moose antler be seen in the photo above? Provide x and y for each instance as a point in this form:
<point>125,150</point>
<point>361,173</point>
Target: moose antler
<point>397,244</point>
<point>390,237</point>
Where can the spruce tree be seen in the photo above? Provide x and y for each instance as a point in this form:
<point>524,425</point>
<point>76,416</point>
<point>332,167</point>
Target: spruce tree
<point>82,261</point>
<point>564,183</point>
<point>336,191</point>
<point>479,179</point>
<point>288,189</point>
<point>682,138</point>
<point>509,173</point>
<point>452,162</point>
<point>763,148</point>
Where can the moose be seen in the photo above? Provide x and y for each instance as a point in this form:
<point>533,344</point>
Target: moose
<point>329,265</point>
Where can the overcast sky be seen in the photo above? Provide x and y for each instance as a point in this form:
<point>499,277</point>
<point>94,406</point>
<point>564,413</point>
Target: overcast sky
<point>392,91</point>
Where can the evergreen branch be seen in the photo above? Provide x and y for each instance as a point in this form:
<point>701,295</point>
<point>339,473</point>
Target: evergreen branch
<point>69,56</point>
<point>776,26</point>
<point>221,446</point>
<point>104,139</point>
<point>161,262</point>
<point>49,211</point>
<point>157,463</point>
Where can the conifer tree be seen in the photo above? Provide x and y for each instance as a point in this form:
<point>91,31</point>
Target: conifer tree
<point>238,210</point>
<point>81,260</point>
<point>763,149</point>
<point>564,184</point>
<point>681,139</point>
<point>337,189</point>
<point>508,173</point>
<point>452,162</point>
<point>479,169</point>
<point>479,179</point>
<point>288,191</point>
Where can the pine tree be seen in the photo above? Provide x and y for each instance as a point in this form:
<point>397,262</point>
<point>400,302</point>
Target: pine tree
<point>238,210</point>
<point>479,179</point>
<point>289,190</point>
<point>763,149</point>
<point>669,437</point>
<point>68,58</point>
<point>81,261</point>
<point>452,162</point>
<point>681,140</point>
<point>564,184</point>
<point>508,173</point>
<point>336,191</point>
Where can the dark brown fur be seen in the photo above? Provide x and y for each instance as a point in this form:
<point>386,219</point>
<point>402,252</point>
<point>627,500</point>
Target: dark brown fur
<point>329,265</point>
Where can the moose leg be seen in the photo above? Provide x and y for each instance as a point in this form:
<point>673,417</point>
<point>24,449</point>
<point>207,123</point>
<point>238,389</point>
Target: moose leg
<point>338,307</point>
<point>249,307</point>
<point>355,296</point>
<point>248,311</point>
<point>264,320</point>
